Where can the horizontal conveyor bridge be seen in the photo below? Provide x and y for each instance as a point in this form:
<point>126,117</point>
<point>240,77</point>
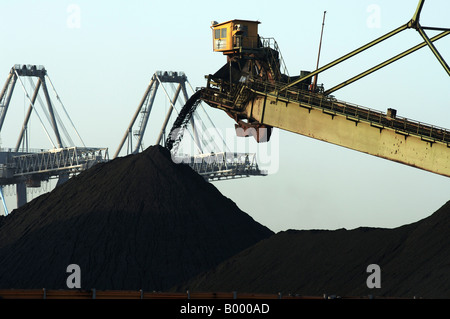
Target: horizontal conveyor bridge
<point>345,124</point>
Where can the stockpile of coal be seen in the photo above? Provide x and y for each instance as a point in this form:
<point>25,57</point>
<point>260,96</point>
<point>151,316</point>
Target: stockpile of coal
<point>414,261</point>
<point>143,222</point>
<point>137,222</point>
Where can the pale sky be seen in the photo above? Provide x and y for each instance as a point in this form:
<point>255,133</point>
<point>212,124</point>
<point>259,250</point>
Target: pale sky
<point>101,55</point>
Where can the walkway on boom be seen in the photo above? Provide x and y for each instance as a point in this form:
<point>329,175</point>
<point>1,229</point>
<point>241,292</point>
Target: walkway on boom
<point>330,105</point>
<point>376,118</point>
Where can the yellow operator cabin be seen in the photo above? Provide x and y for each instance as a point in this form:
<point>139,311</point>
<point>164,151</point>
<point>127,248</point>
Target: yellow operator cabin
<point>234,36</point>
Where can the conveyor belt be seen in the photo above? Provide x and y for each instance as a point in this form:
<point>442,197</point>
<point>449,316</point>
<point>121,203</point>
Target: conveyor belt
<point>176,133</point>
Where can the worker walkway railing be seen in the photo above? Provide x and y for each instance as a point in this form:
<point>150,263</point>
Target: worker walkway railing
<point>224,165</point>
<point>52,161</point>
<point>332,106</point>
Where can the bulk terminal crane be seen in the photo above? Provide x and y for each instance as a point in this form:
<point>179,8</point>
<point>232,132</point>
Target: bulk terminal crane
<point>253,88</point>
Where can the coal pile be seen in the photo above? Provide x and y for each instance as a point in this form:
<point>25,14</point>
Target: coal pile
<point>414,260</point>
<point>137,222</point>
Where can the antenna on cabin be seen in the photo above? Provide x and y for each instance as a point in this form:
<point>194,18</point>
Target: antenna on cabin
<point>318,55</point>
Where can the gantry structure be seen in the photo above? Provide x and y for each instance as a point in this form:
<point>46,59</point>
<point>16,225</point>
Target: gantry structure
<point>251,89</point>
<point>216,163</point>
<point>25,167</point>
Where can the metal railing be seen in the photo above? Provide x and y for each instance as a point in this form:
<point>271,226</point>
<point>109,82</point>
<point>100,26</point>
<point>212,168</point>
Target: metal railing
<point>252,43</point>
<point>223,93</point>
<point>54,161</point>
<point>332,106</point>
<point>271,43</point>
<point>223,165</point>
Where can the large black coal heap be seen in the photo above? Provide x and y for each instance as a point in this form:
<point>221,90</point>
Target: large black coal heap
<point>414,261</point>
<point>136,222</point>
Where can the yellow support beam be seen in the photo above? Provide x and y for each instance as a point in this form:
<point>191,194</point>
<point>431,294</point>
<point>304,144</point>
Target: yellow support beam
<point>433,49</point>
<point>416,16</point>
<point>347,56</point>
<point>413,23</point>
<point>387,62</point>
<point>352,133</point>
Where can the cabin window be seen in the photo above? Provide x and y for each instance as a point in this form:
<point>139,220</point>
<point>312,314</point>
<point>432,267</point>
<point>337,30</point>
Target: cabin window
<point>220,33</point>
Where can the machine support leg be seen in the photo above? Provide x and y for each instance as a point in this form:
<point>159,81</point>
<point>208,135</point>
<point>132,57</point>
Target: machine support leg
<point>27,117</point>
<point>12,78</point>
<point>5,208</point>
<point>21,190</point>
<point>136,114</point>
<point>62,179</point>
<point>52,115</point>
<point>168,115</point>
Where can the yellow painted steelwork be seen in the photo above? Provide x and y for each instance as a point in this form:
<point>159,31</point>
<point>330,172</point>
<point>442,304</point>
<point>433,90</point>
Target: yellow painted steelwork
<point>234,35</point>
<point>351,132</point>
<point>259,103</point>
